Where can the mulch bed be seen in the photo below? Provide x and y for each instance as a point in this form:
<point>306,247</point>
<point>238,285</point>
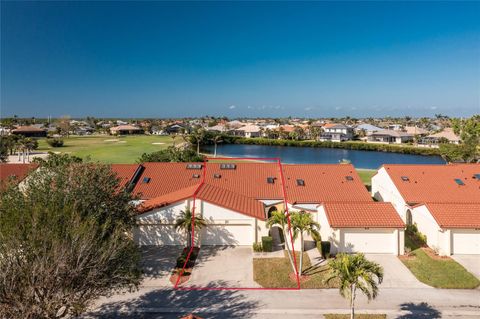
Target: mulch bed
<point>428,251</point>
<point>185,275</point>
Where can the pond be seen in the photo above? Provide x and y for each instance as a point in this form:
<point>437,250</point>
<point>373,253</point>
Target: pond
<point>299,155</point>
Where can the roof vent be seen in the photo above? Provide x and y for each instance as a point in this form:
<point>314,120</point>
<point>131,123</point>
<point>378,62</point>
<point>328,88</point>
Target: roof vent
<point>146,180</point>
<point>459,181</point>
<point>405,178</point>
<point>217,175</point>
<point>349,178</point>
<point>270,180</point>
<point>196,175</point>
<point>228,166</point>
<point>477,176</point>
<point>194,166</point>
<point>300,182</point>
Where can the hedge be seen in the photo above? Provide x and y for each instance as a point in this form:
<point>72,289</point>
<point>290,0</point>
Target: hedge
<point>267,243</point>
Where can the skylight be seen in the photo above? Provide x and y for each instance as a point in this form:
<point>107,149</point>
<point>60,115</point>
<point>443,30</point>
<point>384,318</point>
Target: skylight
<point>459,181</point>
<point>146,180</point>
<point>477,176</point>
<point>349,178</point>
<point>300,182</point>
<point>194,166</point>
<point>270,180</point>
<point>228,166</point>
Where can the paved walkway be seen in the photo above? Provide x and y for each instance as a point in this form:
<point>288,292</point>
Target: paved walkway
<point>396,274</point>
<point>470,262</point>
<point>315,258</point>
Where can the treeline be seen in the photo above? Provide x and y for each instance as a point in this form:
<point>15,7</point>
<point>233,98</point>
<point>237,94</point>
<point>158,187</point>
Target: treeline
<point>342,145</point>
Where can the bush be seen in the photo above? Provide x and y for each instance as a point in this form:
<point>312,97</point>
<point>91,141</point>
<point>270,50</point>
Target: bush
<point>267,243</point>
<point>325,249</point>
<point>55,142</point>
<point>257,247</point>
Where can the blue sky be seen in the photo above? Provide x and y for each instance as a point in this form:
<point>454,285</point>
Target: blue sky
<point>317,59</point>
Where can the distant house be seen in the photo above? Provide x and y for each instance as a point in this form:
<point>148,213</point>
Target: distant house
<point>390,137</point>
<point>29,131</point>
<point>395,127</point>
<point>415,130</point>
<point>83,130</point>
<point>249,130</point>
<point>336,132</point>
<point>235,124</point>
<point>126,130</point>
<point>367,128</point>
<point>219,128</point>
<point>446,135</point>
<point>175,128</point>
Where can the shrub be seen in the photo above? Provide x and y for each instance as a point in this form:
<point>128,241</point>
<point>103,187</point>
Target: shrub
<point>325,245</point>
<point>408,251</point>
<point>257,247</point>
<point>55,142</point>
<point>267,243</point>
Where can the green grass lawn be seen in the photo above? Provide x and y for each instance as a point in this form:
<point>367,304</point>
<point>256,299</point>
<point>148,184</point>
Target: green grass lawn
<point>357,316</point>
<point>366,175</point>
<point>274,273</point>
<point>110,149</point>
<point>439,273</point>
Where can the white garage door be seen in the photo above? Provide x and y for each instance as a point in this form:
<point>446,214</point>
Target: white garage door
<point>369,241</point>
<point>158,235</point>
<point>227,235</point>
<point>466,242</point>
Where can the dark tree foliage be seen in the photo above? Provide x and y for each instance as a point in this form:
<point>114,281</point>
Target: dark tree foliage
<point>172,154</point>
<point>64,240</point>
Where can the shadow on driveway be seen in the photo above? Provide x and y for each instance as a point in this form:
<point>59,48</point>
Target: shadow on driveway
<point>419,311</point>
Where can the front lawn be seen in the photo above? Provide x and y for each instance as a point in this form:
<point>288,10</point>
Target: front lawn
<point>274,273</point>
<point>357,316</point>
<point>439,272</point>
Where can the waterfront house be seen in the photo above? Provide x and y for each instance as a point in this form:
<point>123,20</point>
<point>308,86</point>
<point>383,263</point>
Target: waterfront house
<point>389,137</point>
<point>336,132</point>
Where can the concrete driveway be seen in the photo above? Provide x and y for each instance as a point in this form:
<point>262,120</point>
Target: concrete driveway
<point>395,273</point>
<point>157,264</point>
<point>223,266</point>
<point>470,262</point>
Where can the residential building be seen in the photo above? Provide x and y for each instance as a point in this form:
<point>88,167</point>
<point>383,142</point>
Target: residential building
<point>126,130</point>
<point>389,137</point>
<point>14,173</point>
<point>29,131</point>
<point>447,135</point>
<point>443,200</point>
<point>249,130</point>
<point>336,132</point>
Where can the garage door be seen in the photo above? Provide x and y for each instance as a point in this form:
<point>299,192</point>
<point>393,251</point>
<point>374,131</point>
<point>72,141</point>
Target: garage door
<point>466,242</point>
<point>227,235</point>
<point>369,241</point>
<point>158,235</point>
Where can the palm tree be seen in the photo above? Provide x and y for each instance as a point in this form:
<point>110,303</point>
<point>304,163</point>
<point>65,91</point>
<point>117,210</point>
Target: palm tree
<point>216,139</point>
<point>197,137</point>
<point>303,223</point>
<point>279,218</point>
<point>356,272</point>
<point>173,136</point>
<point>184,223</point>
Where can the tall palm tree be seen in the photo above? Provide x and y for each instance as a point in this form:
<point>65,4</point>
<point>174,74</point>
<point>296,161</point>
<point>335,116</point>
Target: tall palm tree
<point>356,272</point>
<point>280,219</point>
<point>173,136</point>
<point>216,139</point>
<point>303,223</point>
<point>197,137</point>
<point>184,223</point>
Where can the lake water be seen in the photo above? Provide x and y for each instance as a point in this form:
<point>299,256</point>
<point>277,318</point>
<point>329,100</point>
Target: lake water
<point>299,155</point>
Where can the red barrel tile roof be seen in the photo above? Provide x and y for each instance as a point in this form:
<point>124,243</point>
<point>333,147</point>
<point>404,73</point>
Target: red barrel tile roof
<point>455,215</point>
<point>14,172</point>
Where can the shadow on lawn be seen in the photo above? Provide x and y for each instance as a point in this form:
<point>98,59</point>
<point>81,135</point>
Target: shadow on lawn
<point>421,310</point>
<point>205,303</point>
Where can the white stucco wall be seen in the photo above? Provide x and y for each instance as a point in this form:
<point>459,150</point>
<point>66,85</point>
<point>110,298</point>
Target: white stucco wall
<point>328,233</point>
<point>384,190</point>
<point>164,215</point>
<point>427,225</point>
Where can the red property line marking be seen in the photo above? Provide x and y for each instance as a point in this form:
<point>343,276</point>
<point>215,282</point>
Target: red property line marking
<point>277,159</point>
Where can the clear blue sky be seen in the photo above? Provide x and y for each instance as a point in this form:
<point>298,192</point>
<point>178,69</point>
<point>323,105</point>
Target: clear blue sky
<point>160,59</point>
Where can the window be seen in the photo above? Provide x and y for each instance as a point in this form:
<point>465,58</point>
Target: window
<point>228,166</point>
<point>349,178</point>
<point>194,166</point>
<point>405,178</point>
<point>270,180</point>
<point>146,180</point>
<point>459,182</point>
<point>300,182</point>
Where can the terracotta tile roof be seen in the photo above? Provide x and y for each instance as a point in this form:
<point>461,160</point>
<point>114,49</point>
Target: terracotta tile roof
<point>14,172</point>
<point>455,215</point>
<point>436,183</point>
<point>30,128</point>
<point>126,127</point>
<point>168,199</point>
<point>124,172</point>
<point>362,214</point>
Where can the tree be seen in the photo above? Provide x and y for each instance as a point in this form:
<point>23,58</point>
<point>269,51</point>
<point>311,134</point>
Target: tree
<point>184,223</point>
<point>356,272</point>
<point>64,125</point>
<point>4,149</point>
<point>280,219</point>
<point>216,139</point>
<point>469,150</point>
<point>64,240</point>
<point>303,223</point>
<point>196,137</point>
<point>171,154</point>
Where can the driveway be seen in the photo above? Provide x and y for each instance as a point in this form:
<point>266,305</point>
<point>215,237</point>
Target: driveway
<point>470,262</point>
<point>396,274</point>
<point>157,264</point>
<point>223,266</point>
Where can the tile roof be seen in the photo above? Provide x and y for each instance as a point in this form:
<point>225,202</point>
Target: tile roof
<point>362,214</point>
<point>29,128</point>
<point>168,199</point>
<point>455,215</point>
<point>436,183</point>
<point>17,172</point>
<point>124,172</point>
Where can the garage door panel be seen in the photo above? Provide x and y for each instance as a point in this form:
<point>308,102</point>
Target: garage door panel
<point>227,235</point>
<point>382,242</point>
<point>158,235</point>
<point>466,242</point>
